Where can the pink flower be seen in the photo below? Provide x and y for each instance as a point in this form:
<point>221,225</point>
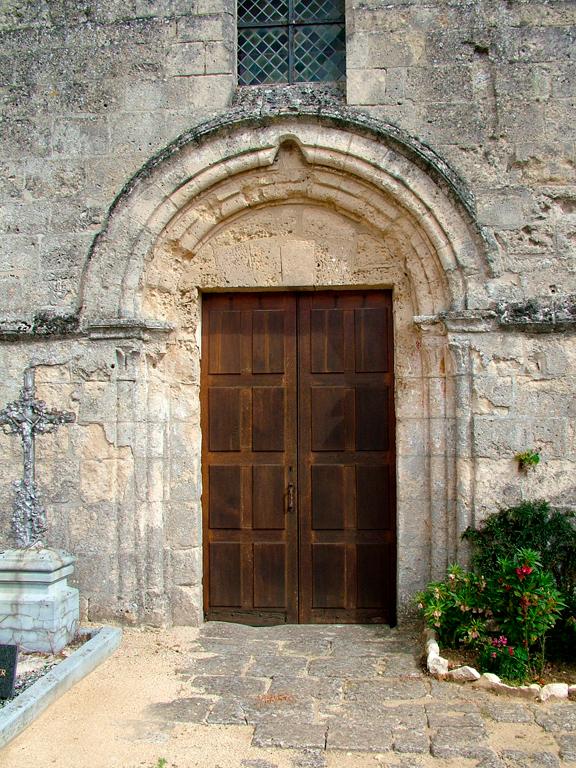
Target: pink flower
<point>523,571</point>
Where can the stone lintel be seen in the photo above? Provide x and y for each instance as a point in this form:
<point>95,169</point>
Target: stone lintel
<point>539,315</point>
<point>44,324</point>
<point>463,321</point>
<point>126,328</point>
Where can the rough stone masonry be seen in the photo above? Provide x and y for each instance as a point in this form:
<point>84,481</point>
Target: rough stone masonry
<point>135,175</point>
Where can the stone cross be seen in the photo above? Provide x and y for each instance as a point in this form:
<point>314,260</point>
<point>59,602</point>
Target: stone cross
<point>29,417</point>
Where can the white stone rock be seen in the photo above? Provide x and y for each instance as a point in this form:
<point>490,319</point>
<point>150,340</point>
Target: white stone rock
<point>432,648</point>
<point>487,681</point>
<point>554,691</point>
<point>531,692</point>
<point>437,665</point>
<point>463,674</point>
<point>572,691</point>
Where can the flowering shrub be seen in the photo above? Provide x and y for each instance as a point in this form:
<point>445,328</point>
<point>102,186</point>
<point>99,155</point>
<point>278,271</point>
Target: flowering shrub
<point>526,603</point>
<point>552,534</point>
<point>503,659</point>
<point>455,608</point>
<point>505,616</point>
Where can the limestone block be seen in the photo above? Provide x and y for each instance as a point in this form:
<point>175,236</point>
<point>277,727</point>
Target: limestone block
<point>186,605</point>
<point>143,95</point>
<point>26,136</point>
<point>385,50</point>
<point>215,90</point>
<point>366,86</point>
<point>446,46</point>
<point>97,402</point>
<point>78,136</point>
<point>298,263</point>
<point>19,254</point>
<point>497,437</point>
<point>183,525</point>
<point>493,392</point>
<point>186,59</point>
<point>441,120</point>
<point>97,481</point>
<point>94,443</point>
<point>20,219</point>
<point>503,211</point>
<point>137,132</point>
<point>439,84</point>
<point>487,680</point>
<point>527,44</point>
<point>216,26</point>
<point>220,57</point>
<point>529,692</point>
<point>187,566</point>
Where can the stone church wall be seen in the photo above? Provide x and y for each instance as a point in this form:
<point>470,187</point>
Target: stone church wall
<point>93,90</point>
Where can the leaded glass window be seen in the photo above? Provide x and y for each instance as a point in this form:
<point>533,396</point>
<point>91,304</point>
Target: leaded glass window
<point>291,41</point>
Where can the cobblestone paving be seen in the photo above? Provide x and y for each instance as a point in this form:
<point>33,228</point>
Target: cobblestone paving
<point>358,689</point>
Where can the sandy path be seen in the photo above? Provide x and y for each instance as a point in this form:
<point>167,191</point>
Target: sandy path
<point>103,721</point>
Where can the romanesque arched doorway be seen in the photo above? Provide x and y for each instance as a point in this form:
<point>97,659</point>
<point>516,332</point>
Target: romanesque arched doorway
<point>300,205</point>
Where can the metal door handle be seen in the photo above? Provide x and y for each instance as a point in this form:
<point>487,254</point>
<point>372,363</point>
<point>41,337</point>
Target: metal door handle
<point>290,497</point>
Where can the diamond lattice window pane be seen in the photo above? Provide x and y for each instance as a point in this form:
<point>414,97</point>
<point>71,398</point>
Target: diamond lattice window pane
<point>319,53</point>
<point>318,10</point>
<point>262,56</point>
<point>262,12</point>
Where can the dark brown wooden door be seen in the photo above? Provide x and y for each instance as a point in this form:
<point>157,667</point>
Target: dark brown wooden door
<point>298,457</point>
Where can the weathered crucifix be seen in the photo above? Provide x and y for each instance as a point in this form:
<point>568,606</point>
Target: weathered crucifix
<point>29,417</point>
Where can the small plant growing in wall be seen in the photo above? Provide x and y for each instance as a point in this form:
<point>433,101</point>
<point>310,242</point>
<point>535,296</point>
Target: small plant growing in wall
<point>527,459</point>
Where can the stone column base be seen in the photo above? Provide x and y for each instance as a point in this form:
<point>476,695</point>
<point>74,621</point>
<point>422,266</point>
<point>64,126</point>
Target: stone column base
<point>38,610</point>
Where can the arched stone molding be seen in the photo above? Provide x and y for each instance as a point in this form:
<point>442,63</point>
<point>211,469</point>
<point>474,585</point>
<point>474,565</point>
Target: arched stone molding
<point>417,182</point>
<point>278,208</point>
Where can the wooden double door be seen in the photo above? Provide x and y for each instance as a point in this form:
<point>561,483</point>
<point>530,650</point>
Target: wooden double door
<point>298,457</point>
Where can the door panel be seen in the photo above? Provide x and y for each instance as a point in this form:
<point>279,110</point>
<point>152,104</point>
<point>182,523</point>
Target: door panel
<point>249,459</point>
<point>298,457</point>
<point>346,458</point>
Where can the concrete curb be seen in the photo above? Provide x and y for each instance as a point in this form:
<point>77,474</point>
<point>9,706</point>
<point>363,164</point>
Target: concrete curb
<point>437,666</point>
<point>17,714</point>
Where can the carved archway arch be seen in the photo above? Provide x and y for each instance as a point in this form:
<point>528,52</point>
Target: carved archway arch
<point>426,197</point>
<point>298,203</point>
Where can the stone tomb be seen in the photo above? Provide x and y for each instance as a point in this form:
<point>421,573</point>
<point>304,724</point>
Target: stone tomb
<point>39,611</point>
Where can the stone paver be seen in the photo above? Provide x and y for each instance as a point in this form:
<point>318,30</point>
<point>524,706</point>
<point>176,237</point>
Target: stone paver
<point>325,690</point>
<point>567,744</point>
<point>290,733</point>
<point>505,712</point>
<point>516,758</point>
